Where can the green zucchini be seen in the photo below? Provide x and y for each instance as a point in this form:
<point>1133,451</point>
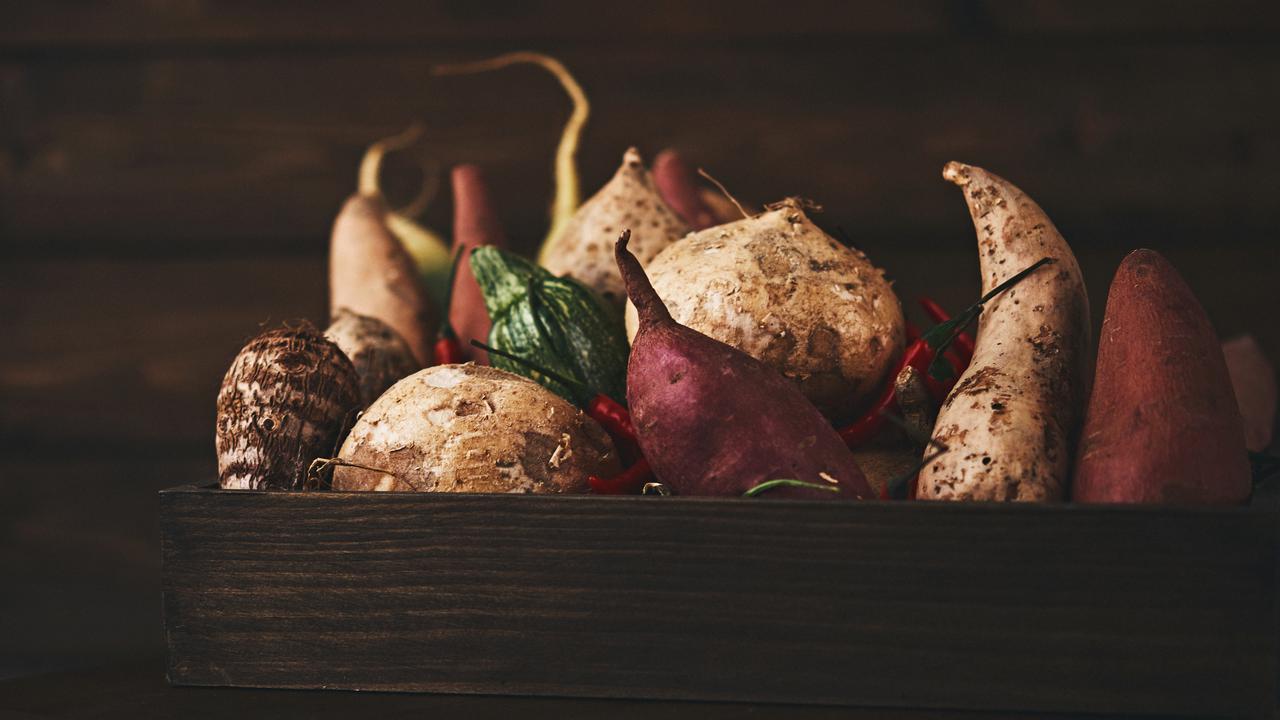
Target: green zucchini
<point>557,323</point>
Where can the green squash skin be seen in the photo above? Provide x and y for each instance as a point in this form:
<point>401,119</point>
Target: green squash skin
<point>557,323</point>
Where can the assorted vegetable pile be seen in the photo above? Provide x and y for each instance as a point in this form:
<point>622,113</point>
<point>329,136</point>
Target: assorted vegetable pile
<point>668,341</point>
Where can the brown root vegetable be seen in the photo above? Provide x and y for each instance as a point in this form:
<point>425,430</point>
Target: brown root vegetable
<point>475,223</point>
<point>1010,420</point>
<point>371,274</point>
<point>1163,425</point>
<point>783,291</point>
<point>713,420</point>
<point>584,249</point>
<point>282,404</point>
<point>380,356</point>
<point>471,428</point>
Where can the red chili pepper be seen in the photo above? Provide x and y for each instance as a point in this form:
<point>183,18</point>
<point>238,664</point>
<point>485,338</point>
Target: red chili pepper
<point>963,342</point>
<point>862,430</point>
<point>613,416</point>
<point>448,350</point>
<point>629,481</point>
<point>913,332</point>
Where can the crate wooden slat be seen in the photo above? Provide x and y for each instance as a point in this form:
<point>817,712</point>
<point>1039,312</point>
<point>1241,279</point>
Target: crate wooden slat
<point>1078,609</point>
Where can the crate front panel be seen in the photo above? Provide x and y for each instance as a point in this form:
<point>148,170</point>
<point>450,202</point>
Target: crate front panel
<point>920,604</point>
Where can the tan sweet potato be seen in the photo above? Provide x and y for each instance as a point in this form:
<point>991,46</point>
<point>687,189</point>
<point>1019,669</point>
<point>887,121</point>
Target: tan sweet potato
<point>1010,420</point>
<point>472,428</point>
<point>370,273</point>
<point>1163,425</point>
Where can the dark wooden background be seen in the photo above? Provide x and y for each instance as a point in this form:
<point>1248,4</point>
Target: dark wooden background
<point>169,170</point>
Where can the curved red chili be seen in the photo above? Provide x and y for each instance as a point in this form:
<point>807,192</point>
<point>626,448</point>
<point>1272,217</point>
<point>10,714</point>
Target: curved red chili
<point>628,482</point>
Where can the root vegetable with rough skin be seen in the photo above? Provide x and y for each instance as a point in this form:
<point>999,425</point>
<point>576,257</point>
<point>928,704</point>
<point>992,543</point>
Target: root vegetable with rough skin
<point>371,274</point>
<point>471,428</point>
<point>1163,425</point>
<point>783,291</point>
<point>712,420</point>
<point>380,356</point>
<point>584,249</point>
<point>1011,418</point>
<point>475,224</point>
<point>282,404</point>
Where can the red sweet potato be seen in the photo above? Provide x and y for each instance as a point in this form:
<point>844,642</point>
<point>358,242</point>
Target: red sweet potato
<point>475,223</point>
<point>1163,425</point>
<point>713,420</point>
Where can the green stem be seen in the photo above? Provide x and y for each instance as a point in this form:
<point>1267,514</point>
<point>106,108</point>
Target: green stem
<point>533,366</point>
<point>446,328</point>
<point>768,485</point>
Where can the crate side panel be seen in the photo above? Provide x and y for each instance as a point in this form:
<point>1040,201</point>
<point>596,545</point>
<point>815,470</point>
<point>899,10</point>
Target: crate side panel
<point>919,605</point>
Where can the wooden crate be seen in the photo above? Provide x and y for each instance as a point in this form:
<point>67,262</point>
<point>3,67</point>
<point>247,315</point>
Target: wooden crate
<point>1053,608</point>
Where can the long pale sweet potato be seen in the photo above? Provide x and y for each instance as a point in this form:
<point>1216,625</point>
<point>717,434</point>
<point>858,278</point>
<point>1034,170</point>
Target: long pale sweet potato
<point>1163,425</point>
<point>1009,421</point>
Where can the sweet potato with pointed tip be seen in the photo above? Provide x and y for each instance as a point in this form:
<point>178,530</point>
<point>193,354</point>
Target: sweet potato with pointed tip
<point>370,273</point>
<point>713,420</point>
<point>1163,425</point>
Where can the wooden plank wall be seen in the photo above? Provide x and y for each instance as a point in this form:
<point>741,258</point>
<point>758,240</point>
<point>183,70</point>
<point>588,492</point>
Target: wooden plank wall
<point>169,170</point>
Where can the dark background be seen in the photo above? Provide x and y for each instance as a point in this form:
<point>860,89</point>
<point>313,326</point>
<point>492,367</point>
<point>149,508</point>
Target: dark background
<point>169,170</point>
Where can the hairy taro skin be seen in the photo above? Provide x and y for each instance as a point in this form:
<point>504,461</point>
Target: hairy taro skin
<point>1011,419</point>
<point>473,428</point>
<point>380,356</point>
<point>282,404</point>
<point>783,291</point>
<point>712,420</point>
<point>630,200</point>
<point>1163,424</point>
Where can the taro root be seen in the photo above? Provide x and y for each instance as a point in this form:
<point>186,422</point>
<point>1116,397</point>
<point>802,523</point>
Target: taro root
<point>282,404</point>
<point>380,356</point>
<point>778,288</point>
<point>584,249</point>
<point>471,428</point>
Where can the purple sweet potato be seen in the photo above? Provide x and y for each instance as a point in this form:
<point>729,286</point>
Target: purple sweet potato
<point>712,420</point>
<point>1163,425</point>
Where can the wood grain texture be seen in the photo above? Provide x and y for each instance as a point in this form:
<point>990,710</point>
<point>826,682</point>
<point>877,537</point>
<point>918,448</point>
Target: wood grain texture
<point>249,153</point>
<point>132,24</point>
<point>138,691</point>
<point>1121,610</point>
